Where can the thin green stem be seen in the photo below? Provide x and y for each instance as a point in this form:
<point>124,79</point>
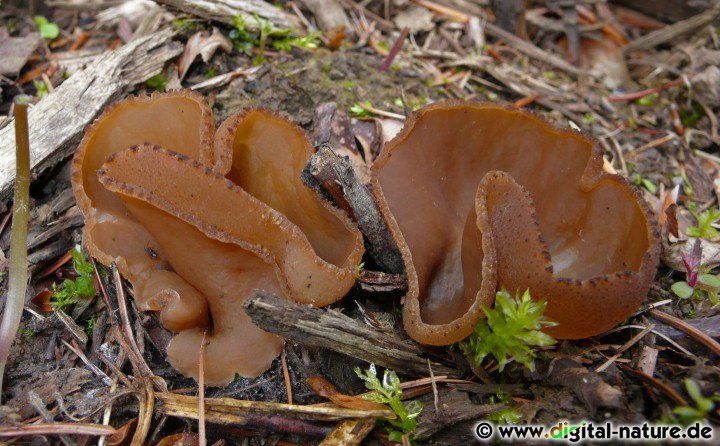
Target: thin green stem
<point>17,285</point>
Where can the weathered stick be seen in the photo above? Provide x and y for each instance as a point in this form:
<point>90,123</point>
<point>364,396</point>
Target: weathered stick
<point>226,10</point>
<point>670,32</point>
<point>533,51</point>
<point>333,330</point>
<point>329,173</point>
<point>57,122</point>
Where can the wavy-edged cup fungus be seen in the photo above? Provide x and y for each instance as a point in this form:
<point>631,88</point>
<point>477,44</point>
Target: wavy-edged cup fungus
<point>197,222</point>
<point>481,196</point>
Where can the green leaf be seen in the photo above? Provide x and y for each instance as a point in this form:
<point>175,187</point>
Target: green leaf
<point>710,280</point>
<point>682,289</point>
<point>48,30</point>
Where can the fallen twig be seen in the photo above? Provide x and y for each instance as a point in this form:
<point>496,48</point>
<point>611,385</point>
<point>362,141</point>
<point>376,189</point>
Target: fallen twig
<point>670,32</point>
<point>57,429</point>
<point>335,331</point>
<point>226,10</point>
<point>57,121</point>
<point>329,173</point>
<point>349,433</point>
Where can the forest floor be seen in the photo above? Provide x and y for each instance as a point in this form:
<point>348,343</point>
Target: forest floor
<point>645,85</point>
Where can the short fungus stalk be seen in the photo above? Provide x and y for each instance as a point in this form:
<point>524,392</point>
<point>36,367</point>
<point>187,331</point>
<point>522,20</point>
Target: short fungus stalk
<point>18,253</point>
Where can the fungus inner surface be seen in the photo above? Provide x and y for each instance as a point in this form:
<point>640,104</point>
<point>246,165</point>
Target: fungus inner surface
<point>590,224</point>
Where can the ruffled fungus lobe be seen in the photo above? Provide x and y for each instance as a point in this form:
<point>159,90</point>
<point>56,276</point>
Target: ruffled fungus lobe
<point>480,196</point>
<point>197,223</point>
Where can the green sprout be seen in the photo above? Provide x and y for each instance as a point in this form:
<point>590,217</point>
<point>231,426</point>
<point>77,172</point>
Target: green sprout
<point>82,287</point>
<point>360,109</point>
<point>704,228</point>
<point>41,88</point>
<point>158,82</point>
<point>389,392</point>
<point>703,406</point>
<point>48,30</point>
<point>511,328</point>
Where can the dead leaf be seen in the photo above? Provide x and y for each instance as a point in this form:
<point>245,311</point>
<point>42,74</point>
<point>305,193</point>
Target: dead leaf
<point>14,52</point>
<point>588,385</point>
<point>326,389</point>
<point>123,434</point>
<point>183,439</point>
<point>203,44</point>
<point>42,301</point>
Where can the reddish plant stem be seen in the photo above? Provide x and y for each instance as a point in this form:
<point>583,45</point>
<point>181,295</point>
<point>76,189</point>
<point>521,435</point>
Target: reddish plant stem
<point>640,94</point>
<point>394,51</point>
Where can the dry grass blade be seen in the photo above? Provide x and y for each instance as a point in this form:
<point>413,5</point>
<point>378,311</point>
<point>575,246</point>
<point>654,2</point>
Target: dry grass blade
<point>634,340</point>
<point>664,388</point>
<point>242,408</point>
<point>286,375</point>
<point>136,357</point>
<point>147,406</point>
<point>681,325</point>
<point>57,429</point>
<point>201,392</point>
<point>17,282</point>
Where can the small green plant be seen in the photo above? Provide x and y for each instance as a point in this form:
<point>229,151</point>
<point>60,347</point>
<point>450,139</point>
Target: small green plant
<point>158,82</point>
<point>28,332</point>
<point>90,324</point>
<point>81,287</point>
<point>211,72</point>
<point>279,39</point>
<point>703,406</point>
<point>504,416</point>
<point>48,30</point>
<point>414,105</point>
<point>704,228</point>
<point>640,181</point>
<point>389,392</point>
<point>648,100</point>
<point>699,283</point>
<point>41,88</point>
<point>511,328</point>
<point>185,24</point>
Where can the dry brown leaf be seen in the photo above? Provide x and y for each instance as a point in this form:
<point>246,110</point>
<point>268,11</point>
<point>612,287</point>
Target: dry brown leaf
<point>183,439</point>
<point>326,389</point>
<point>202,44</point>
<point>14,52</point>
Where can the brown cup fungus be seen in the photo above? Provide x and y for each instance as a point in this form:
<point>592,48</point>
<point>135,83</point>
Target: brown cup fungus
<point>480,196</point>
<point>198,222</point>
